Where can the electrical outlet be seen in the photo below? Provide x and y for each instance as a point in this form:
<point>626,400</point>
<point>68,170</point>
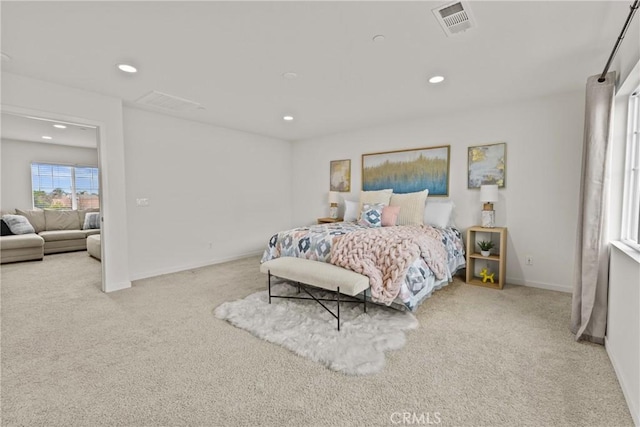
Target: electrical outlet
<point>142,202</point>
<point>528,260</point>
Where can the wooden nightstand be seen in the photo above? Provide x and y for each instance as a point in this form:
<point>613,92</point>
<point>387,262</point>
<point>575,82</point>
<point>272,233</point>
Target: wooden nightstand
<point>496,262</point>
<point>329,220</point>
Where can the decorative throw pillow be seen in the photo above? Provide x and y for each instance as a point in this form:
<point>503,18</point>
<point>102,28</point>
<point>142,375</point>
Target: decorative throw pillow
<point>390,215</point>
<point>371,215</point>
<point>373,197</point>
<point>351,211</point>
<point>18,224</point>
<point>91,220</point>
<point>438,214</point>
<point>6,231</point>
<point>83,212</point>
<point>411,207</point>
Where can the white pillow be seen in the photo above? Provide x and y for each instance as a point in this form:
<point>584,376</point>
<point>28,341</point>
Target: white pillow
<point>351,211</point>
<point>438,214</point>
<point>374,197</point>
<point>412,206</point>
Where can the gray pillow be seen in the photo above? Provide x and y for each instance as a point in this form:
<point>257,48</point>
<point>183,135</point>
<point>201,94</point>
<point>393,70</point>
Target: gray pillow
<point>18,224</point>
<point>91,221</point>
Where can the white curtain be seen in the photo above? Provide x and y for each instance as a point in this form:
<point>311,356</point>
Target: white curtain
<point>591,277</point>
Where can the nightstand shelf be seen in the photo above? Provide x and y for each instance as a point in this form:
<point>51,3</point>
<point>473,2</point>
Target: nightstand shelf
<point>329,220</point>
<point>496,262</point>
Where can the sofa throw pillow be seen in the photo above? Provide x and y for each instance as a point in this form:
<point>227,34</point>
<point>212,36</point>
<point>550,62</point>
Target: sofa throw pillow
<point>6,231</point>
<point>18,224</point>
<point>390,215</point>
<point>371,215</point>
<point>83,212</point>
<point>35,217</point>
<point>411,207</point>
<point>91,220</point>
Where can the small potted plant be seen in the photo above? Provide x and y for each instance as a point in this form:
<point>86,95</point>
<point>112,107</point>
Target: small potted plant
<point>485,247</point>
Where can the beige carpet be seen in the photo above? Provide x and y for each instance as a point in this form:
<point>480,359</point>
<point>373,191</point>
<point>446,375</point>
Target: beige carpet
<point>155,355</point>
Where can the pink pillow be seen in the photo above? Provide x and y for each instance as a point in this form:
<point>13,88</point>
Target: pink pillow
<point>390,215</point>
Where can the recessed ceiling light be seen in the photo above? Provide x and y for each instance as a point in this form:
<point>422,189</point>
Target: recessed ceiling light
<point>127,68</point>
<point>60,126</point>
<point>378,38</point>
<point>289,76</point>
<point>436,79</point>
<point>46,137</point>
<point>287,118</point>
<point>5,57</point>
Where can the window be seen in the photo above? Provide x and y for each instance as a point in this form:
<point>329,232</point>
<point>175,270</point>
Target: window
<point>631,198</point>
<point>64,186</point>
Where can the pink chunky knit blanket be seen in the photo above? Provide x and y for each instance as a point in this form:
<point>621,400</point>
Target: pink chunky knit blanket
<point>385,254</point>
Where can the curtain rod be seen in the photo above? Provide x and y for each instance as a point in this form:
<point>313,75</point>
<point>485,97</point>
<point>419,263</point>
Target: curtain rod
<point>632,12</point>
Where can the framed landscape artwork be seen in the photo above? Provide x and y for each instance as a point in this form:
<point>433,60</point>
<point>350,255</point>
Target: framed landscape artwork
<point>486,165</point>
<point>408,171</point>
<point>340,175</point>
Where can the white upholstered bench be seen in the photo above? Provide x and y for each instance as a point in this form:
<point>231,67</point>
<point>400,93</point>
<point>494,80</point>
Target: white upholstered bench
<point>320,275</point>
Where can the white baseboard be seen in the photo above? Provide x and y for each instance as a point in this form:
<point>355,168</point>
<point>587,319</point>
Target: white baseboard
<point>112,287</point>
<point>191,266</point>
<point>633,408</point>
<point>541,285</point>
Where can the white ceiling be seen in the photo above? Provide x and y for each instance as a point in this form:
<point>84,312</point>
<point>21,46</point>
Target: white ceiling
<point>32,129</point>
<point>230,56</point>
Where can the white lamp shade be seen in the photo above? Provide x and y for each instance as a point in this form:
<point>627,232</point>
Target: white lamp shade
<point>333,197</point>
<point>489,193</point>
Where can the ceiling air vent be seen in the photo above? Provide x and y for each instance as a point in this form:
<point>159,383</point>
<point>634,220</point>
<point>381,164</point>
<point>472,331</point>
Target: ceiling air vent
<point>455,18</point>
<point>168,102</point>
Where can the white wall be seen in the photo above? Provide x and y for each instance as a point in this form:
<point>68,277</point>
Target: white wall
<point>539,204</point>
<point>623,323</point>
<point>26,95</point>
<point>16,167</point>
<point>214,194</point>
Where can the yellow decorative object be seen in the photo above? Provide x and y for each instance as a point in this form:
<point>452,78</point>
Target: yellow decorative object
<point>486,276</point>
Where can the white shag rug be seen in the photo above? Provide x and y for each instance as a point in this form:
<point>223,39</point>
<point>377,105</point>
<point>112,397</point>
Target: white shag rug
<point>307,329</point>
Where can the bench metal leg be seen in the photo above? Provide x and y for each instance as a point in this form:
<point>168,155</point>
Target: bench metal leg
<point>338,301</point>
<point>365,300</point>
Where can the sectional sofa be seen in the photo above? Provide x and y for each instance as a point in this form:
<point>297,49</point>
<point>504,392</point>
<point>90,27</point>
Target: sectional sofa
<point>55,231</point>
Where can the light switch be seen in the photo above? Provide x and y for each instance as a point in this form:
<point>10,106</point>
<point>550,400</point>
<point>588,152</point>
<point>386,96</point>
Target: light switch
<point>142,202</point>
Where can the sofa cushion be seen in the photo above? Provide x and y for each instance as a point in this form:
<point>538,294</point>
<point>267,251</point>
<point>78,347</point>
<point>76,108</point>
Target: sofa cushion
<point>18,224</point>
<point>91,231</point>
<point>61,220</point>
<point>21,241</point>
<point>4,229</point>
<point>35,217</point>
<point>53,236</point>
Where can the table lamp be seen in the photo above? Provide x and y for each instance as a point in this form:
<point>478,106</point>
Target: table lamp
<point>333,204</point>
<point>488,195</point>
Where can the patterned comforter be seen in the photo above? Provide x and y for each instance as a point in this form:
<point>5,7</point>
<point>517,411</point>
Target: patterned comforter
<point>418,282</point>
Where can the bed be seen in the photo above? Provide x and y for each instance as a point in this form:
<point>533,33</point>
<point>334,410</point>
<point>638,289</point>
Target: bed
<point>411,261</point>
